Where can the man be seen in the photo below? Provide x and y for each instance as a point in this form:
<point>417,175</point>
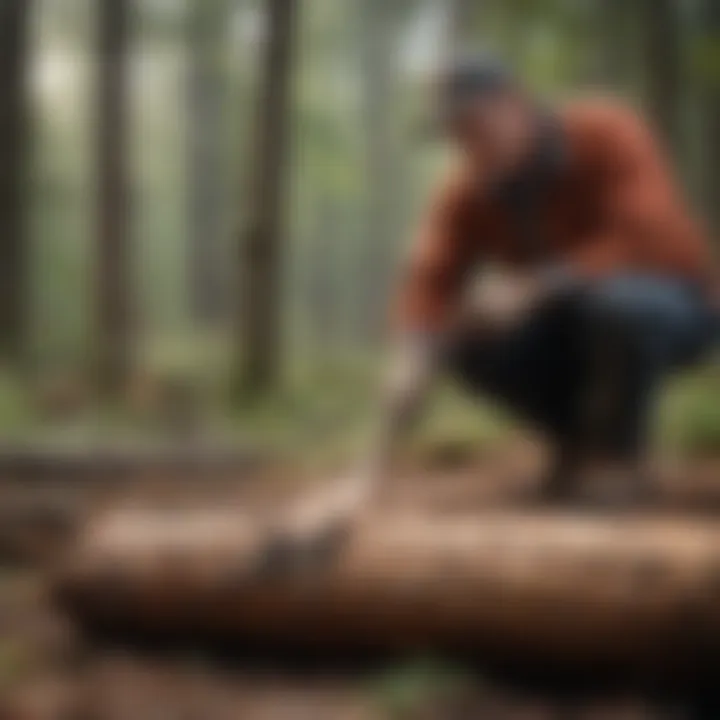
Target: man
<point>608,281</point>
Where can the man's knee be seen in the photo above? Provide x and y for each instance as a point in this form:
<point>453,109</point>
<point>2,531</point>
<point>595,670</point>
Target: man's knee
<point>659,320</point>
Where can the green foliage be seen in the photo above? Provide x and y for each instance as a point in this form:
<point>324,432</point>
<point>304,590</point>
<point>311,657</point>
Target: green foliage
<point>403,692</point>
<point>691,417</point>
<point>335,267</point>
<point>18,657</point>
<point>14,663</point>
<point>705,59</point>
<point>16,413</point>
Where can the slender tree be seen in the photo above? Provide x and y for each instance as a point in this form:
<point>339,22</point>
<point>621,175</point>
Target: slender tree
<point>610,34</point>
<point>323,285</point>
<point>14,31</point>
<point>260,330</point>
<point>377,44</point>
<point>663,67</point>
<point>462,22</point>
<point>380,25</point>
<point>710,107</point>
<point>113,272</point>
<point>206,147</point>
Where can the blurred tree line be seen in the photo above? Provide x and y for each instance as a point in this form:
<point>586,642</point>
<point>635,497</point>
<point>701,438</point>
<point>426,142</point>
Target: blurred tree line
<point>240,177</point>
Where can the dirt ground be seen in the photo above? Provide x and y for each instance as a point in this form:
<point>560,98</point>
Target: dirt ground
<point>49,672</point>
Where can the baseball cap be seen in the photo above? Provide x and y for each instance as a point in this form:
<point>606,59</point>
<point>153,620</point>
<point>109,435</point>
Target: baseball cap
<point>465,78</point>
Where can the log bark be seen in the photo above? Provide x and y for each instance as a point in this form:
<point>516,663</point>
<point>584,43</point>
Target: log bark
<point>623,591</point>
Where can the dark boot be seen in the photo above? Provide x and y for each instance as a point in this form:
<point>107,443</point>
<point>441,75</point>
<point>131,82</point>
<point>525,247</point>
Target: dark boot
<point>618,484</point>
<point>574,478</point>
<point>560,482</point>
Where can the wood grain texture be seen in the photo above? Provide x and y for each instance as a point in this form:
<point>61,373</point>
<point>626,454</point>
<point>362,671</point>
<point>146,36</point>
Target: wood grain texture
<point>642,591</point>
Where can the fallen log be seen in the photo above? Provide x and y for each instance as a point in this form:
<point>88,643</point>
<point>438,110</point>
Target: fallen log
<point>34,531</point>
<point>60,465</point>
<point>635,591</point>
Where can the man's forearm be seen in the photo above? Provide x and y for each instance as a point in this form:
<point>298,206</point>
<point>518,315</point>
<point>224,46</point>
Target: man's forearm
<point>411,372</point>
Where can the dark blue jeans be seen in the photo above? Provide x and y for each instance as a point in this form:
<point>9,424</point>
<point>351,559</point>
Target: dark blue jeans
<point>613,339</point>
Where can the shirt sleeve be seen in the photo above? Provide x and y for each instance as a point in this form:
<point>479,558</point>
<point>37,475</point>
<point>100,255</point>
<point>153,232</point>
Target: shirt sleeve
<point>433,277</point>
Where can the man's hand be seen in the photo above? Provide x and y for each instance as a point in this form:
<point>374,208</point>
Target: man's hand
<point>316,525</point>
<point>336,506</point>
<point>502,301</point>
<point>312,532</point>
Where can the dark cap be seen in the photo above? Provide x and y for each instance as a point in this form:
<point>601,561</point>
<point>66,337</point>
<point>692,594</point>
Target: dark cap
<point>468,77</point>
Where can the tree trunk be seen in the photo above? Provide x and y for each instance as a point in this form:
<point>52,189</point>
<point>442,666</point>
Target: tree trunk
<point>378,42</point>
<point>113,277</point>
<point>710,110</point>
<point>14,31</point>
<point>663,68</point>
<point>260,312</point>
<point>323,289</point>
<point>612,65</point>
<point>205,97</point>
<point>462,25</point>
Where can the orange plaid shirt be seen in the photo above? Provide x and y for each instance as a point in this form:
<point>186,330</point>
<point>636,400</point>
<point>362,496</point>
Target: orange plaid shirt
<point>612,206</point>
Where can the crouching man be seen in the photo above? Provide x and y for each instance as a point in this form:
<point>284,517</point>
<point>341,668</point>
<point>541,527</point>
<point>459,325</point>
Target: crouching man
<point>608,281</point>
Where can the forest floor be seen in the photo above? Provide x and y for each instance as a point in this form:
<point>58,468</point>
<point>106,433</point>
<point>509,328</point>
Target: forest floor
<point>48,673</point>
